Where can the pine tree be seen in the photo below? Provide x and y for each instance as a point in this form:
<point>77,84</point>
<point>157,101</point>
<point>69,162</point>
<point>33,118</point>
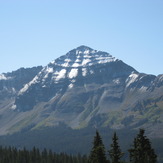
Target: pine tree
<point>97,154</point>
<point>115,151</point>
<point>142,151</point>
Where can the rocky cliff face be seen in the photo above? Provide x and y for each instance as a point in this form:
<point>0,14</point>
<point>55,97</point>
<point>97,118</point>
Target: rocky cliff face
<point>84,88</point>
<point>11,83</point>
<point>81,67</point>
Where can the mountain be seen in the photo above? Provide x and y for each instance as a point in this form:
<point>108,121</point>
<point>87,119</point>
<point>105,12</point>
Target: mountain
<point>10,85</point>
<point>84,88</point>
<point>60,105</point>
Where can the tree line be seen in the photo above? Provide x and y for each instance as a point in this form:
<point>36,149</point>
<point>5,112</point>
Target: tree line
<point>140,152</point>
<point>13,155</point>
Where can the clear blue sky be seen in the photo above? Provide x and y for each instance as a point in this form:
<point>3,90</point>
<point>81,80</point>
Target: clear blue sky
<point>35,32</point>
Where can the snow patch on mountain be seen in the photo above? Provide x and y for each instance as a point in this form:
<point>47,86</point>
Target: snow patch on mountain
<point>86,61</point>
<point>91,72</point>
<point>104,59</point>
<point>76,64</point>
<point>73,73</point>
<point>116,81</point>
<point>13,107</point>
<point>83,57</point>
<point>25,88</point>
<point>3,77</point>
<point>68,66</point>
<point>70,86</point>
<point>49,70</point>
<point>84,71</point>
<point>59,74</point>
<point>132,78</point>
<point>143,89</point>
<point>86,52</point>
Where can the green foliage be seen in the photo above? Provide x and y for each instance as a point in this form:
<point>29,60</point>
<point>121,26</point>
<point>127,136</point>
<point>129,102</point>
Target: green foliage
<point>142,151</point>
<point>115,151</point>
<point>97,154</point>
<point>66,140</point>
<point>12,155</point>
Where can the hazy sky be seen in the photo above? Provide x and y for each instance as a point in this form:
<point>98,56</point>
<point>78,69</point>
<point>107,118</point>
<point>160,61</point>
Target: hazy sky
<point>35,32</point>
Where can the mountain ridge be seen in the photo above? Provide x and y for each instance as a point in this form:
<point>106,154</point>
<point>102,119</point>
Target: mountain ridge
<point>82,88</point>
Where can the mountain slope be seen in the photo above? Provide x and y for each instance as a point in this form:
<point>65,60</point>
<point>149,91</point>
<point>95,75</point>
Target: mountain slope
<point>10,85</point>
<point>73,86</point>
<point>85,88</point>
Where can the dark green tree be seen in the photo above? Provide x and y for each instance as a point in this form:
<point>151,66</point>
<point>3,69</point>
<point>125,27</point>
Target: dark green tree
<point>12,155</point>
<point>97,154</point>
<point>141,151</point>
<point>115,151</point>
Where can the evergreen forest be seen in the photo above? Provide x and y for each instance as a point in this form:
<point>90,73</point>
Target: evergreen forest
<point>141,151</point>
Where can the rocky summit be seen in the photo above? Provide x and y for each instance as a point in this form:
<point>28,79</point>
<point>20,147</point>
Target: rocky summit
<point>80,89</point>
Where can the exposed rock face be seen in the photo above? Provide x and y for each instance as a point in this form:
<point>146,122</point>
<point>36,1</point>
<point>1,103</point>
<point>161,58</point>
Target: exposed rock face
<point>81,67</point>
<point>83,88</point>
<point>11,83</point>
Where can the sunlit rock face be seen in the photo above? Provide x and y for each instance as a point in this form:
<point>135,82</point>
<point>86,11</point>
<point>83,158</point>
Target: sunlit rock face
<point>12,82</point>
<point>80,67</point>
<point>84,87</point>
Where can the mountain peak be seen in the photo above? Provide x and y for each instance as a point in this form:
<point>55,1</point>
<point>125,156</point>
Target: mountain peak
<point>83,48</point>
<point>83,56</point>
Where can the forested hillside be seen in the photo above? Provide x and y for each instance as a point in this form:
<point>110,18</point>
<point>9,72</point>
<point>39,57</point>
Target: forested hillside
<point>141,150</point>
<point>13,155</point>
